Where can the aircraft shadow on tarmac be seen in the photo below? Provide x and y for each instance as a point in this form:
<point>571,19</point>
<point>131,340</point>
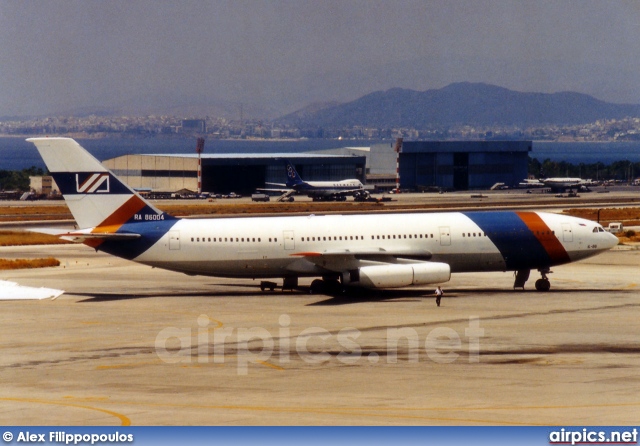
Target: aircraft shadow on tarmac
<point>109,297</point>
<point>353,296</point>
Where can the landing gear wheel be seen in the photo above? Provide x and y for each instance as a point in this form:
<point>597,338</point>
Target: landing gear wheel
<point>333,287</point>
<point>543,285</point>
<point>317,287</point>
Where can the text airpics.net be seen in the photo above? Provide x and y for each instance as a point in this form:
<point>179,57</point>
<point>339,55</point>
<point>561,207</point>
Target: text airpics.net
<point>209,342</point>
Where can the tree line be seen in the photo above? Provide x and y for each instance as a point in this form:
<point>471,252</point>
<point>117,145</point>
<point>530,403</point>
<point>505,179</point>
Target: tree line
<point>18,180</point>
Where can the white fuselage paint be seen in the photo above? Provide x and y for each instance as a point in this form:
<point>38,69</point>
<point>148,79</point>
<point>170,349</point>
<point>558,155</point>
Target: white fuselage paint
<point>280,246</point>
<point>327,188</point>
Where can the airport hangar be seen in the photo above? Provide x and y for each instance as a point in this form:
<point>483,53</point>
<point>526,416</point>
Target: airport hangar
<point>459,165</point>
<point>224,173</point>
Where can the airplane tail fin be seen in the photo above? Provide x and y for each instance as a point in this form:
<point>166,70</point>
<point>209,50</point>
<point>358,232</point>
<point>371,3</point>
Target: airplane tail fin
<point>293,178</point>
<point>94,195</point>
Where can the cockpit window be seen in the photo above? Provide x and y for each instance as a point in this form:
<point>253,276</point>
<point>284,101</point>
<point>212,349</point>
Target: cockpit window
<point>598,229</point>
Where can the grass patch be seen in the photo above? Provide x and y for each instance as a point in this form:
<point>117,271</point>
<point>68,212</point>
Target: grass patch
<point>24,238</point>
<point>35,212</point>
<point>6,264</point>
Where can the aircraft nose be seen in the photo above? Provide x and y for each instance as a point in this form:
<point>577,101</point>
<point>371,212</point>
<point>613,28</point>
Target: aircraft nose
<point>611,240</point>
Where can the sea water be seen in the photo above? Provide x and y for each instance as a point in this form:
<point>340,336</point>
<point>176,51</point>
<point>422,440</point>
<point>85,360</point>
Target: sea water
<point>16,153</point>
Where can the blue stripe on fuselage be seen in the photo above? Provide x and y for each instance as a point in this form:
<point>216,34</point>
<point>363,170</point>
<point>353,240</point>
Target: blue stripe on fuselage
<point>150,232</point>
<point>518,245</point>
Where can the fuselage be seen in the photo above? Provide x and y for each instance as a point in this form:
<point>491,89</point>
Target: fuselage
<point>370,251</point>
<point>281,246</point>
<point>327,188</point>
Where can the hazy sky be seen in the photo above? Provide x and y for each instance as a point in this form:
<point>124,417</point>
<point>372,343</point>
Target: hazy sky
<point>58,55</point>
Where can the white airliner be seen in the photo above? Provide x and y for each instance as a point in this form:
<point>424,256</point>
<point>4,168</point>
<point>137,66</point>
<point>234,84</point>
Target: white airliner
<point>557,184</point>
<point>371,251</point>
<point>318,190</point>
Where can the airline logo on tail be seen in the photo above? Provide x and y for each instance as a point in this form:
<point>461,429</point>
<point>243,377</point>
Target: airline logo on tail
<point>92,183</point>
<point>290,172</point>
<point>293,178</point>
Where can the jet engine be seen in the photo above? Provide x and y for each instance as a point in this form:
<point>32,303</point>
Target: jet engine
<point>396,276</point>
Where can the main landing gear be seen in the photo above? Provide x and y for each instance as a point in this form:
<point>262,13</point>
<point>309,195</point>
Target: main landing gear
<point>327,285</point>
<point>543,283</point>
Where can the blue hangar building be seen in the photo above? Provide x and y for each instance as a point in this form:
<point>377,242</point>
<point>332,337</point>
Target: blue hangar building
<point>463,165</point>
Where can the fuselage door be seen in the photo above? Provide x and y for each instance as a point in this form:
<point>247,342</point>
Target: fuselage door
<point>174,240</point>
<point>289,241</point>
<point>445,236</point>
<point>567,233</point>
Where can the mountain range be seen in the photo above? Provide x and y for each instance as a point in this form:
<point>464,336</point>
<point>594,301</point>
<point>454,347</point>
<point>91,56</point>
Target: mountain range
<point>462,103</point>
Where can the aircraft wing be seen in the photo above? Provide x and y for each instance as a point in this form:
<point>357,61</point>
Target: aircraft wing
<point>280,191</point>
<point>342,260</point>
<point>346,192</point>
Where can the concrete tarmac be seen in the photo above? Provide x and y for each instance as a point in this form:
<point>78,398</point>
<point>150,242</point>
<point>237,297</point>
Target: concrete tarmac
<point>128,344</point>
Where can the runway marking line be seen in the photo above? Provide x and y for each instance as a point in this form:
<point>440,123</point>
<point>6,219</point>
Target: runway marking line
<point>90,398</point>
<point>125,421</point>
<point>124,366</point>
<point>273,366</point>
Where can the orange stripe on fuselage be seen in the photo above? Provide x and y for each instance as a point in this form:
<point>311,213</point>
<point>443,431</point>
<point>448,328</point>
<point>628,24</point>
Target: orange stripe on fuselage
<point>545,236</point>
<point>115,221</point>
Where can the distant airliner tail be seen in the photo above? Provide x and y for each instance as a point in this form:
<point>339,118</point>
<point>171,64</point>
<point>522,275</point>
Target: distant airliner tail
<point>95,196</point>
<point>293,179</point>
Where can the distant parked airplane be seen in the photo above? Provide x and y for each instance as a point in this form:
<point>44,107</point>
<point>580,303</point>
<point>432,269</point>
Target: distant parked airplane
<point>318,190</point>
<point>557,184</point>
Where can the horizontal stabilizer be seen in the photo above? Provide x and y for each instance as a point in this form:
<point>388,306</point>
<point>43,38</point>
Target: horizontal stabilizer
<point>13,291</point>
<point>82,236</point>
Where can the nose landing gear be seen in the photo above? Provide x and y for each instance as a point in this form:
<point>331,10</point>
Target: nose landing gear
<point>543,283</point>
